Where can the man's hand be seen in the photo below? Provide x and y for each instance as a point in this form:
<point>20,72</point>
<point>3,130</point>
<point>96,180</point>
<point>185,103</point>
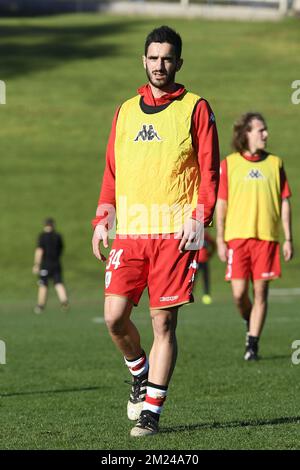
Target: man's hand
<point>222,250</point>
<point>192,235</point>
<point>100,235</point>
<point>287,250</point>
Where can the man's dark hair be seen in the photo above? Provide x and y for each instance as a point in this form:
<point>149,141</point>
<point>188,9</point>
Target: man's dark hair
<point>165,34</point>
<point>240,129</point>
<point>49,222</point>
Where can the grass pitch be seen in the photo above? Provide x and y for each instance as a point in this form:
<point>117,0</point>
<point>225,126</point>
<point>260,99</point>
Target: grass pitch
<point>62,386</point>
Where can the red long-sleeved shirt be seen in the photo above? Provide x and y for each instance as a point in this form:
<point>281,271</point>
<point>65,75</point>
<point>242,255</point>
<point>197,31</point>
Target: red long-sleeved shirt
<point>205,142</point>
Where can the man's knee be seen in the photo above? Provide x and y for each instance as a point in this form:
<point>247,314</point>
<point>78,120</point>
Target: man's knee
<point>261,292</point>
<point>260,298</point>
<point>240,297</point>
<point>164,323</point>
<point>240,292</point>
<point>116,315</point>
<point>114,325</point>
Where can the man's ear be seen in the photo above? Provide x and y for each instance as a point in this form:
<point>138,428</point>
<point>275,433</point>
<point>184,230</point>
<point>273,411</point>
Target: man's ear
<point>179,64</point>
<point>144,61</point>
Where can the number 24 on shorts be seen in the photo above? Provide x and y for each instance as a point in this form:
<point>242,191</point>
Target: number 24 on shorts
<point>114,259</point>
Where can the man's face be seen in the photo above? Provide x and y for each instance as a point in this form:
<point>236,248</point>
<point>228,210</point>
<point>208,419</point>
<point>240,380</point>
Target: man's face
<point>257,136</point>
<point>161,64</point>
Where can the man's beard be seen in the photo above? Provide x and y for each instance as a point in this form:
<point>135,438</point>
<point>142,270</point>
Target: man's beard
<point>166,80</point>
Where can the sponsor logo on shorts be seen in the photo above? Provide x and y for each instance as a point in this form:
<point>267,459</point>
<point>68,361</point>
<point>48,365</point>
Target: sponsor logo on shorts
<point>168,299</point>
<point>108,276</point>
<point>268,274</point>
<point>44,272</point>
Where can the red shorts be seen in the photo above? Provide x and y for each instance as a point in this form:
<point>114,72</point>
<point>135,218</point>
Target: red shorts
<point>133,265</point>
<point>253,259</point>
<point>203,256</point>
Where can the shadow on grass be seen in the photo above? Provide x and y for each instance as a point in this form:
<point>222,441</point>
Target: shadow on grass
<point>40,392</point>
<point>28,48</point>
<point>232,424</point>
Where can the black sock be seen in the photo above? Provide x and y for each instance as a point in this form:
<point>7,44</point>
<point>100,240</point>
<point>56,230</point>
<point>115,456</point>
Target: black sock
<point>253,342</point>
<point>156,416</point>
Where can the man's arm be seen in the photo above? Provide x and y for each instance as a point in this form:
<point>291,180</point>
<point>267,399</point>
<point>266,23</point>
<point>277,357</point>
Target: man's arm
<point>206,145</point>
<point>107,192</point>
<point>222,211</point>
<point>107,201</point>
<point>221,218</point>
<point>38,254</point>
<point>286,218</point>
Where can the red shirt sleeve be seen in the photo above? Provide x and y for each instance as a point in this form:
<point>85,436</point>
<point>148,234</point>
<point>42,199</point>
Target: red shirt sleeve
<point>223,187</point>
<point>284,185</point>
<point>206,144</point>
<point>107,198</point>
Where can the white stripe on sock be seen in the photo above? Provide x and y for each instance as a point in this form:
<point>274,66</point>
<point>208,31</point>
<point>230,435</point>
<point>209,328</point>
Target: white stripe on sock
<point>156,392</point>
<point>142,370</point>
<point>153,408</point>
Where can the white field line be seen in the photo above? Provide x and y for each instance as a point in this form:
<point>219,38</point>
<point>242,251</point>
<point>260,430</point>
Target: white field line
<point>98,320</point>
<point>283,292</point>
<point>284,320</point>
<point>281,300</point>
<point>286,292</point>
<point>139,319</point>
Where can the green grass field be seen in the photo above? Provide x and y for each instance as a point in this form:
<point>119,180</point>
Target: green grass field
<point>62,386</point>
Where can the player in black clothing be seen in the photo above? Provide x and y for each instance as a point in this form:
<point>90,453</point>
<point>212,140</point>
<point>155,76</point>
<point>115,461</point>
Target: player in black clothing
<point>47,265</point>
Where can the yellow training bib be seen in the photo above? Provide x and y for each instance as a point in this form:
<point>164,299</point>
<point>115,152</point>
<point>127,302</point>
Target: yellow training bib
<point>254,198</point>
<point>157,172</point>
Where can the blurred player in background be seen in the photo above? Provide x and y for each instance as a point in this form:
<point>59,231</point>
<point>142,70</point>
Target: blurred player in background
<point>159,143</point>
<point>253,197</point>
<point>47,265</point>
<point>205,253</point>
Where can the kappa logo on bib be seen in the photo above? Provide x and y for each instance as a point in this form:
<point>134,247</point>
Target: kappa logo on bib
<point>147,134</point>
<point>255,174</point>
